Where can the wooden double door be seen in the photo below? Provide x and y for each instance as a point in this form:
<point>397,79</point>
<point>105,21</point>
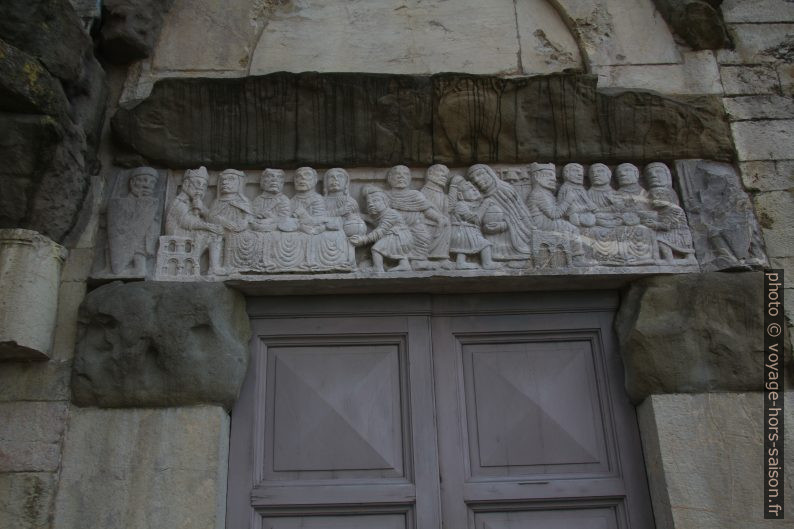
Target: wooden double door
<point>429,412</point>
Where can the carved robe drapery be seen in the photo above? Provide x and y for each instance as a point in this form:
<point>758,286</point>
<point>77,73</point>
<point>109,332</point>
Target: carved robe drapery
<point>235,214</point>
<point>132,229</point>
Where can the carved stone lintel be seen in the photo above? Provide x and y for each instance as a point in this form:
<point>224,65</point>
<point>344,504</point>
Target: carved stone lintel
<point>232,224</point>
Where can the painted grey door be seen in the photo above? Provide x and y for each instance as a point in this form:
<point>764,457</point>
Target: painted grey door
<point>420,412</point>
<point>334,428</point>
<point>535,430</point>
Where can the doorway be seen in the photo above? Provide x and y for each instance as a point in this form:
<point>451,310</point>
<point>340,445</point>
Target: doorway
<point>428,412</point>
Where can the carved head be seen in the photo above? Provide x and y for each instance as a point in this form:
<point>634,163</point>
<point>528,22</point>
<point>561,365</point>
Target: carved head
<point>544,175</point>
<point>468,192</point>
<point>272,181</point>
<point>230,181</point>
<point>438,174</point>
<point>335,180</point>
<point>658,175</point>
<point>482,176</point>
<point>627,174</point>
<point>142,181</point>
<point>305,179</point>
<point>599,174</point>
<point>377,200</point>
<point>195,182</point>
<point>399,177</point>
<point>573,173</point>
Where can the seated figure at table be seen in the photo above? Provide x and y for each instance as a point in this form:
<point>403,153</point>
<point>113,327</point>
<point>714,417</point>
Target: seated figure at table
<point>272,207</point>
<point>339,203</point>
<point>307,205</point>
<point>232,210</point>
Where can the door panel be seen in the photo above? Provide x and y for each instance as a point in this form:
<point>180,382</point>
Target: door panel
<point>528,408</point>
<point>340,406</point>
<point>497,412</point>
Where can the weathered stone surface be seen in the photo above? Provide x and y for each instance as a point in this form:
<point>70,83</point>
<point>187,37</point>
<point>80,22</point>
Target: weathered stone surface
<point>87,98</point>
<point>749,80</point>
<point>144,469</point>
<point>703,457</point>
<point>40,381</point>
<point>51,31</point>
<point>565,118</point>
<point>30,436</point>
<point>415,38</point>
<point>724,227</point>
<point>759,107</point>
<point>759,43</point>
<point>26,87</point>
<point>190,40</point>
<point>698,22</point>
<point>768,176</point>
<point>776,213</point>
<point>618,32</point>
<point>160,344</point>
<point>697,74</point>
<point>742,11</point>
<point>55,202</point>
<point>282,119</point>
<point>764,140</point>
<point>26,499</point>
<point>130,27</point>
<point>692,333</point>
<point>361,119</point>
<point>30,269</point>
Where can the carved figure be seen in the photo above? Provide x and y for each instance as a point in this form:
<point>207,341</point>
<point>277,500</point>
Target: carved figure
<point>672,231</point>
<point>573,198</point>
<point>466,233</point>
<point>636,239</point>
<point>505,218</point>
<point>307,205</point>
<point>392,237</point>
<point>658,175</point>
<point>634,198</point>
<point>232,210</point>
<point>133,224</point>
<point>419,214</point>
<point>519,179</point>
<point>555,233</point>
<point>187,217</point>
<point>435,189</point>
<point>272,207</point>
<point>339,203</point>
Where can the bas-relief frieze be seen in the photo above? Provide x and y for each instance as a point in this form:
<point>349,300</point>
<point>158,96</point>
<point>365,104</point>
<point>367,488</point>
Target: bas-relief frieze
<point>482,219</point>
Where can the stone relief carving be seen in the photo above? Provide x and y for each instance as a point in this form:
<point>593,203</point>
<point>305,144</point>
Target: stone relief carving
<point>724,227</point>
<point>131,224</point>
<point>504,218</point>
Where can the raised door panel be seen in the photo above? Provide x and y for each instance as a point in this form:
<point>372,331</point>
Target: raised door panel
<point>531,410</point>
<point>552,518</point>
<point>337,412</point>
<point>532,407</point>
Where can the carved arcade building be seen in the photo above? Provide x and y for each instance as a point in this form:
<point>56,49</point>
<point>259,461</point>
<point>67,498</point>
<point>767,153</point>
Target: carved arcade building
<point>376,264</point>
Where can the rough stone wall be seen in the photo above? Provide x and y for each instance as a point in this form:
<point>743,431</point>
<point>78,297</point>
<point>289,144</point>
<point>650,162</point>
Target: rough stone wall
<point>758,81</point>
